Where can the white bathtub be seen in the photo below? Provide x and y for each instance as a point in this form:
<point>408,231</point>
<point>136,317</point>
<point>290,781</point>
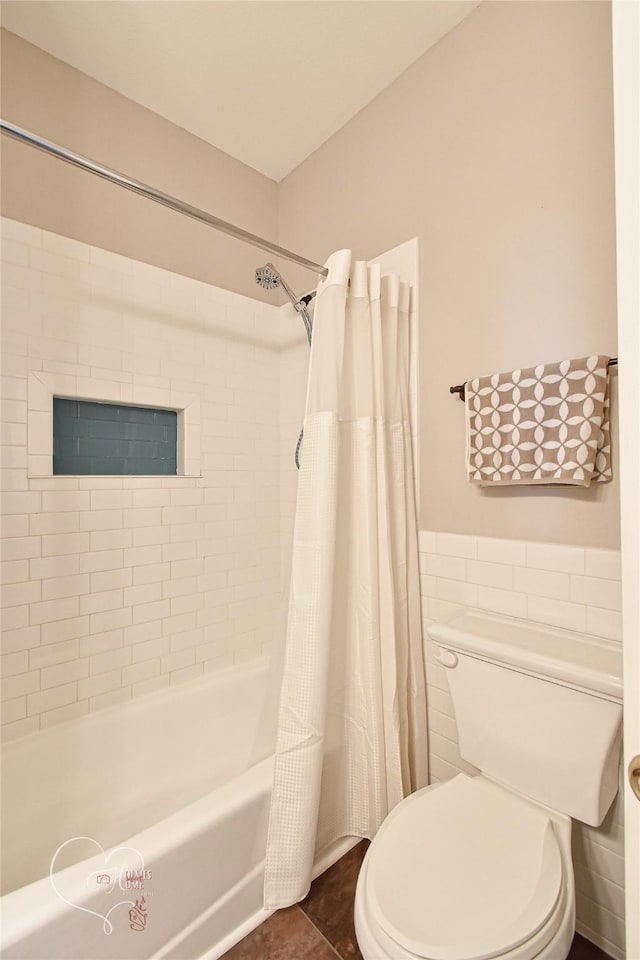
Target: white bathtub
<point>169,776</point>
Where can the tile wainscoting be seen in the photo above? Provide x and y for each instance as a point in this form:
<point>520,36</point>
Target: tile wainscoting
<point>571,587</point>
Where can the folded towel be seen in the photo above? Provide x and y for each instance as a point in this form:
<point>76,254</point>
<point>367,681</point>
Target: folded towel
<point>545,424</point>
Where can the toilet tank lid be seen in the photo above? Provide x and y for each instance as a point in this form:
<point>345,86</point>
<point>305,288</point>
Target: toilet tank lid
<point>574,659</point>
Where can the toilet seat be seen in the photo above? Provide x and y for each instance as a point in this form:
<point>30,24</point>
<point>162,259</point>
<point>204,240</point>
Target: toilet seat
<point>465,871</point>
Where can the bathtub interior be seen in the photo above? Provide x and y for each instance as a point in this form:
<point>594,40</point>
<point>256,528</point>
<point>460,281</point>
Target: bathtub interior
<point>115,773</point>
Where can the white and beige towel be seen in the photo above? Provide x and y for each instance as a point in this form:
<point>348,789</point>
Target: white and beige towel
<point>545,424</point>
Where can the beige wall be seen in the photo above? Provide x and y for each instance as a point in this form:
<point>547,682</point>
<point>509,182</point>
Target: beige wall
<point>62,104</point>
<point>496,150</point>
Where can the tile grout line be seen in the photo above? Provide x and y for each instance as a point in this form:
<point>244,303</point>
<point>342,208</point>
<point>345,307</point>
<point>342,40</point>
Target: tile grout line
<point>308,918</point>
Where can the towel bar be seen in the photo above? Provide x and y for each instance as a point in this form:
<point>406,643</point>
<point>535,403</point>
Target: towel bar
<point>459,389</point>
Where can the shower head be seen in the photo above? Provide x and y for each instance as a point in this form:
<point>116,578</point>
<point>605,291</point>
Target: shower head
<point>268,277</point>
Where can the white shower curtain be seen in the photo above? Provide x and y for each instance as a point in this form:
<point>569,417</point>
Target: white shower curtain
<point>352,727</point>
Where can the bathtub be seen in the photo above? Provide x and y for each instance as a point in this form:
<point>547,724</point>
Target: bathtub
<point>173,817</point>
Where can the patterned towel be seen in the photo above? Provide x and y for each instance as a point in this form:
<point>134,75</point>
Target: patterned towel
<point>546,424</point>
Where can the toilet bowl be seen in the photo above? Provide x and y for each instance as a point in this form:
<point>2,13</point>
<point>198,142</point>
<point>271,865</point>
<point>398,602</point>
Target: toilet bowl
<point>479,868</point>
<point>467,870</point>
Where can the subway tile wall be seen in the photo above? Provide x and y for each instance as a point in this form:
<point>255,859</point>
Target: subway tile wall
<point>116,586</point>
<point>564,586</point>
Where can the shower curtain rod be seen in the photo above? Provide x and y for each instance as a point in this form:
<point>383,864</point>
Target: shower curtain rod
<point>144,190</point>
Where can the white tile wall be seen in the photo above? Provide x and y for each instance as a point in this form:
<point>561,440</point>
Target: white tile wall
<point>564,586</point>
<point>113,586</point>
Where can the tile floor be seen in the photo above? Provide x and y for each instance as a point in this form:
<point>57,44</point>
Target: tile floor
<point>321,926</point>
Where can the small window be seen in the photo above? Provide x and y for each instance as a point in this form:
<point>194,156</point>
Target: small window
<point>109,438</point>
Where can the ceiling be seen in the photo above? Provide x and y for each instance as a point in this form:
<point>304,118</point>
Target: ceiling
<point>267,81</point>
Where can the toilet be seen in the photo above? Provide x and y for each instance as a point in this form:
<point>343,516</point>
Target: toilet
<point>479,867</point>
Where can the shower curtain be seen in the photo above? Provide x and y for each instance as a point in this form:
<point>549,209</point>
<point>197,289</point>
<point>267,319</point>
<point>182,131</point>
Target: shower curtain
<point>352,728</point>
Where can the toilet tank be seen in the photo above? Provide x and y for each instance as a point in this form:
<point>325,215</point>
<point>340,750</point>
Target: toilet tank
<point>538,708</point>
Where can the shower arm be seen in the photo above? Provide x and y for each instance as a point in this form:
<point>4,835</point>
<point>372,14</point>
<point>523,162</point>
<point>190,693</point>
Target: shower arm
<point>298,303</point>
<point>270,278</point>
<point>165,199</point>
